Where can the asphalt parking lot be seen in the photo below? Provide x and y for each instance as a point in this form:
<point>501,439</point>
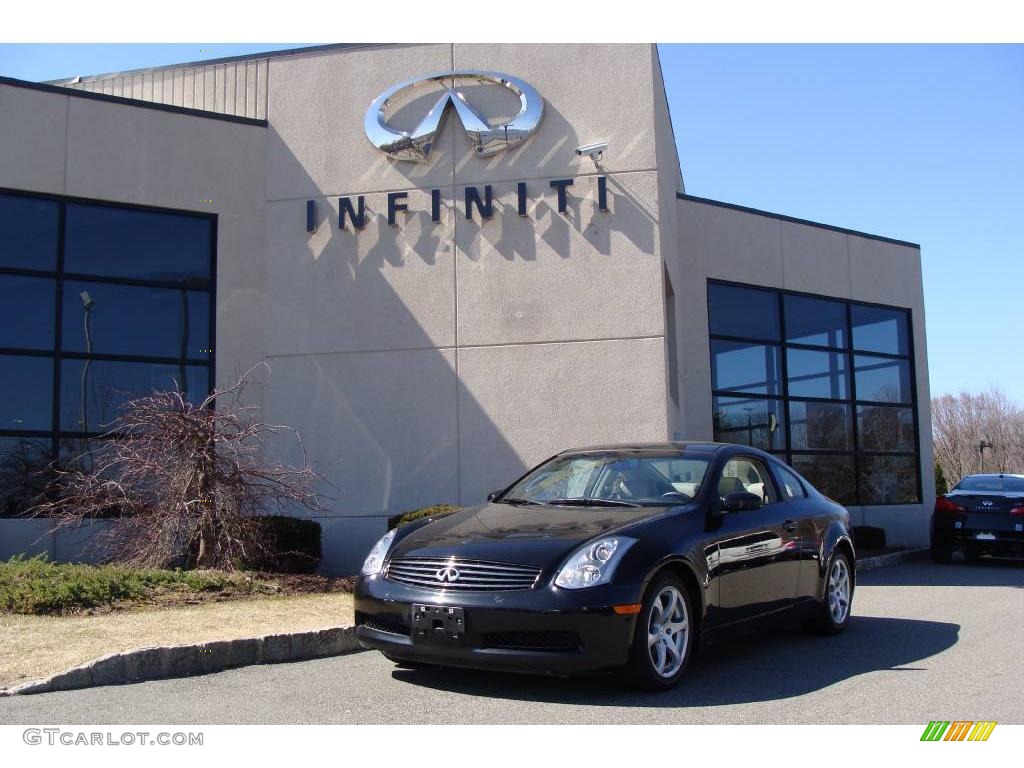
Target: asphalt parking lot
<point>927,642</point>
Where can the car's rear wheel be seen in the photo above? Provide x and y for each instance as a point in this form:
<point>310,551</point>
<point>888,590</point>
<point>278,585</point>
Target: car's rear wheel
<point>833,614</point>
<point>664,635</point>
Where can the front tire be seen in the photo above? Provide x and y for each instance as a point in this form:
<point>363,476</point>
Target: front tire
<point>833,614</point>
<point>664,636</point>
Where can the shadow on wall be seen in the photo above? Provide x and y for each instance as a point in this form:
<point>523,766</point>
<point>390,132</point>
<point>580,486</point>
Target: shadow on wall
<point>361,338</point>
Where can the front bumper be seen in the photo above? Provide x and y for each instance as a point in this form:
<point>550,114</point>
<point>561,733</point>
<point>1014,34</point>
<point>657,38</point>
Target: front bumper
<point>543,630</point>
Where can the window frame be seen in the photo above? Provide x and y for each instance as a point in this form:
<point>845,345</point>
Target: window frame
<point>56,435</point>
<point>850,352</point>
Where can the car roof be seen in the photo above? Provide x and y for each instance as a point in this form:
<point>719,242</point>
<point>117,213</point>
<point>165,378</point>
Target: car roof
<point>687,446</point>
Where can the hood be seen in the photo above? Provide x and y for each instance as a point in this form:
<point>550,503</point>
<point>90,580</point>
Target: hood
<point>527,535</point>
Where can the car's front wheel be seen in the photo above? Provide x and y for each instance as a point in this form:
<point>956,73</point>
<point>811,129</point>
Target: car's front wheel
<point>664,635</point>
<point>833,613</point>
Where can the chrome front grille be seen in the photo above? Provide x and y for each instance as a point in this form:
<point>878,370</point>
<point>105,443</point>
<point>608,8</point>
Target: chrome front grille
<point>459,575</point>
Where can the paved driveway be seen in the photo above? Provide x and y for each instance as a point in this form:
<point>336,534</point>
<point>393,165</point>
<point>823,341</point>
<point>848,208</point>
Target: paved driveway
<point>926,642</point>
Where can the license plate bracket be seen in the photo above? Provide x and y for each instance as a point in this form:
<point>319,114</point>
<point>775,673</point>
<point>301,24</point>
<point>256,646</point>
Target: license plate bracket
<point>438,624</point>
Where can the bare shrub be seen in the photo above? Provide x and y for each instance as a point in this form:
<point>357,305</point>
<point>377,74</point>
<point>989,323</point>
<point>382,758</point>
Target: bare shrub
<point>960,423</point>
<point>183,484</point>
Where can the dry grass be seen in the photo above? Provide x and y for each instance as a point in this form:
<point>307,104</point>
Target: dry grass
<point>38,646</point>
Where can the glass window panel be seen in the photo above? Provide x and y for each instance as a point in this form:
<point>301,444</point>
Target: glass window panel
<point>881,379</point>
<point>815,321</point>
<point>92,391</point>
<point>884,428</point>
<point>26,392</point>
<point>119,242</point>
<point>817,374</point>
<point>745,312</point>
<point>790,484</point>
<point>27,314</point>
<point>876,329</point>
<point>760,423</point>
<point>820,426</point>
<point>831,475</point>
<point>136,320</point>
<point>742,367</point>
<point>28,232</point>
<point>888,479</point>
<point>24,471</point>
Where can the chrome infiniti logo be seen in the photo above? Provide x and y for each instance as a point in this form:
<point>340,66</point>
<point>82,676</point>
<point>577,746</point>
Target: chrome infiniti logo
<point>988,503</point>
<point>447,575</point>
<point>486,139</point>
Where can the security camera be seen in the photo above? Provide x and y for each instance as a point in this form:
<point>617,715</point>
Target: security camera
<point>594,151</point>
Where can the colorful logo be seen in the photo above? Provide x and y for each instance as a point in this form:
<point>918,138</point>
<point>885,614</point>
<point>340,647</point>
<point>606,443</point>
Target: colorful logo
<point>958,730</point>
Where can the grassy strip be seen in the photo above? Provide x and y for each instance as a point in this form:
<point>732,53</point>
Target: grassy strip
<point>36,586</point>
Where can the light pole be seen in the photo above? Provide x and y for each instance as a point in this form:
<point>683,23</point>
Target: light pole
<point>981,449</point>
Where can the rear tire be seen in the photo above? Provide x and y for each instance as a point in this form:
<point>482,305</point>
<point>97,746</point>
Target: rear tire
<point>833,614</point>
<point>663,638</point>
<point>942,554</point>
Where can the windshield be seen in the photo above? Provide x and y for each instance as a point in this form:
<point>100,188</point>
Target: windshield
<point>994,483</point>
<point>611,479</point>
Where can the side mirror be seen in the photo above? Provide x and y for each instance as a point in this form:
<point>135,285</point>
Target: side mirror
<point>494,494</point>
<point>737,501</point>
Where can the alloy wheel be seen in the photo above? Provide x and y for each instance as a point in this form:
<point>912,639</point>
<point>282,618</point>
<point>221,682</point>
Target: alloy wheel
<point>839,590</point>
<point>667,629</point>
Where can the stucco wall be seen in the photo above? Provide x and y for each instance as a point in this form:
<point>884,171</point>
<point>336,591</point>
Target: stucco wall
<point>443,359</point>
<point>760,249</point>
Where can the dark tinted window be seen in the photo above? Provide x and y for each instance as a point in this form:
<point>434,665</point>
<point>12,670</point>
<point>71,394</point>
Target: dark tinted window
<point>885,428</point>
<point>27,315</point>
<point>888,479</point>
<point>23,472</point>
<point>993,483</point>
<point>760,423</point>
<point>108,241</point>
<point>815,321</point>
<point>789,483</point>
<point>28,232</point>
<point>744,312</point>
<point>26,392</point>
<point>877,329</point>
<point>745,367</point>
<point>882,379</point>
<point>831,475</point>
<point>136,320</point>
<point>92,391</point>
<point>816,374</point>
<point>820,426</point>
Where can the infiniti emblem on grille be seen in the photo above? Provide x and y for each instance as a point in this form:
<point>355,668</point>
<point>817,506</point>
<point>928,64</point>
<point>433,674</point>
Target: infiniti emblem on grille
<point>447,575</point>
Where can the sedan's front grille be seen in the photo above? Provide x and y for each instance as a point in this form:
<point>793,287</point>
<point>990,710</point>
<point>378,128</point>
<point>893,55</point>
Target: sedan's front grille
<point>539,640</point>
<point>461,575</point>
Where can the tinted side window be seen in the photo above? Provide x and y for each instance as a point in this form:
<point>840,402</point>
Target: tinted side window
<point>747,474</point>
<point>789,483</point>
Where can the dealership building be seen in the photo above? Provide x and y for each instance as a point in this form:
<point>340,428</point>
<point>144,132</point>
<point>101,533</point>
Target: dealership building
<point>456,260</point>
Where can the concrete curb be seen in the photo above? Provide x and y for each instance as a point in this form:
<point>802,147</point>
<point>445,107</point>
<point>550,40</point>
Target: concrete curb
<point>184,660</point>
<point>892,558</point>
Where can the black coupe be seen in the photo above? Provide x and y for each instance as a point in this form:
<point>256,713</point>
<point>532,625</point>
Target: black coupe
<point>981,515</point>
<point>610,557</point>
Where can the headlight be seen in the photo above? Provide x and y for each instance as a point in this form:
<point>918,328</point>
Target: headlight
<point>375,560</point>
<point>593,563</point>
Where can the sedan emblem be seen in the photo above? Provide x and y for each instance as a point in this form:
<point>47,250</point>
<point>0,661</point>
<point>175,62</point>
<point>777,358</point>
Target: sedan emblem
<point>486,139</point>
<point>987,503</point>
<point>447,575</point>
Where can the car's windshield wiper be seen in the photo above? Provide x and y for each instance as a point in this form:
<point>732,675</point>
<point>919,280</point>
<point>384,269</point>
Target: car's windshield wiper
<point>593,503</point>
<point>516,502</point>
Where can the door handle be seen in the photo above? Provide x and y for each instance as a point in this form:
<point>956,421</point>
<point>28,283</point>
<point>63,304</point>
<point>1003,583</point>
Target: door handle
<point>790,525</point>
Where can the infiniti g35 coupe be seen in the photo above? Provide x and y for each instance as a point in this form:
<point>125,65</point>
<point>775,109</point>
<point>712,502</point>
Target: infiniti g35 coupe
<point>620,557</point>
<point>982,515</point>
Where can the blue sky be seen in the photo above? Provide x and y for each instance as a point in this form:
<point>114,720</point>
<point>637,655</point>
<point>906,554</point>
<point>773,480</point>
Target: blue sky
<point>918,142</point>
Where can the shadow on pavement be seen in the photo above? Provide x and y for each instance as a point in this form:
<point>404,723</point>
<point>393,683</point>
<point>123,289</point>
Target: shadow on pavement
<point>757,668</point>
<point>986,572</point>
